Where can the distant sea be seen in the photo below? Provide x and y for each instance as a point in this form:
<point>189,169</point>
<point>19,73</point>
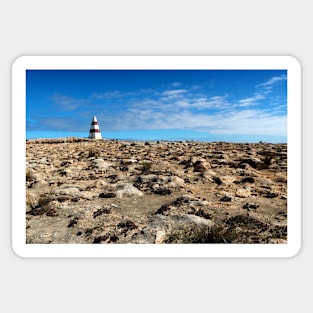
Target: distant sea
<point>163,135</point>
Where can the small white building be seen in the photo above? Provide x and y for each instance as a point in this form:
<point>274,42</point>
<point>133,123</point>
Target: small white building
<point>94,132</point>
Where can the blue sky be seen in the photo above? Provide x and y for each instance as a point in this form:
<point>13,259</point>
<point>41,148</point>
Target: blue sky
<point>218,105</point>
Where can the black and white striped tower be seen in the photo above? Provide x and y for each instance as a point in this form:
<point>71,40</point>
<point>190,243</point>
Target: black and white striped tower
<point>94,132</point>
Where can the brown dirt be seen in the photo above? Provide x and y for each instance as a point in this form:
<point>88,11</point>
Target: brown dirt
<point>110,191</point>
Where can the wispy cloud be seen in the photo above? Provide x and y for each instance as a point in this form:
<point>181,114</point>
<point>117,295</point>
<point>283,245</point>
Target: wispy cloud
<point>177,107</point>
<point>31,124</point>
<point>234,122</point>
<point>272,81</point>
<point>251,101</point>
<point>65,123</point>
<point>121,94</point>
<point>219,114</point>
<point>256,122</point>
<point>268,85</point>
<point>199,102</point>
<point>68,103</point>
<point>176,84</point>
<point>108,94</point>
<point>174,93</point>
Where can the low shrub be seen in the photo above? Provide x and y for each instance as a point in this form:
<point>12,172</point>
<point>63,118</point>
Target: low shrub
<point>197,234</point>
<point>93,153</point>
<point>146,167</point>
<point>39,205</point>
<point>30,176</point>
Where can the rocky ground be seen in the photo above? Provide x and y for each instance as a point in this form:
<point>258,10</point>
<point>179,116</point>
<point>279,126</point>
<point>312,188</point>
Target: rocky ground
<point>112,191</point>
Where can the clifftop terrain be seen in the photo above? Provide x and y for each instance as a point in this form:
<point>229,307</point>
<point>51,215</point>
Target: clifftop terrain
<point>81,191</point>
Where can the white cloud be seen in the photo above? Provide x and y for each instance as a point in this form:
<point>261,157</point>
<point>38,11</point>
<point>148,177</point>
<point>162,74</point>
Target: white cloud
<point>273,81</point>
<point>67,103</point>
<point>60,124</point>
<point>108,94</point>
<point>174,92</point>
<point>185,108</point>
<point>120,94</point>
<point>255,122</point>
<point>183,104</point>
<point>218,102</point>
<point>176,84</point>
<point>200,102</point>
<point>250,101</point>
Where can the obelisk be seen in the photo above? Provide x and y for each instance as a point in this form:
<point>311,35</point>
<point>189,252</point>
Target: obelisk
<point>94,132</point>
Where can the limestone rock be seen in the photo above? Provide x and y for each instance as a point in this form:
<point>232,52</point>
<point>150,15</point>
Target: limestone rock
<point>278,241</point>
<point>160,236</point>
<point>70,190</point>
<point>243,192</point>
<point>225,180</point>
<point>158,186</point>
<point>127,189</point>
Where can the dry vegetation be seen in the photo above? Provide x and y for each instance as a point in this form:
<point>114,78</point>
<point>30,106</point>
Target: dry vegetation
<point>110,191</point>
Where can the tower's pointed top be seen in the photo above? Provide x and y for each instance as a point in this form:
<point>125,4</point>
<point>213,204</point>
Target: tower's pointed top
<point>94,132</point>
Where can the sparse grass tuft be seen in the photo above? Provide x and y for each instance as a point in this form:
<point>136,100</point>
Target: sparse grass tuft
<point>44,200</point>
<point>41,205</point>
<point>146,167</point>
<point>30,176</point>
<point>197,234</point>
<point>31,201</point>
<point>93,153</point>
<point>174,157</point>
